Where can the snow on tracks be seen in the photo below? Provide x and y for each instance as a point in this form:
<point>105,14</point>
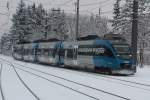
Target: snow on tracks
<point>122,88</point>
<point>83,89</point>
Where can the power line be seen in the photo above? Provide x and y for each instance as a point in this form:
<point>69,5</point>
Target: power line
<point>96,3</point>
<point>102,12</point>
<point>3,6</point>
<point>4,24</point>
<point>65,3</point>
<point>4,14</point>
<point>28,1</point>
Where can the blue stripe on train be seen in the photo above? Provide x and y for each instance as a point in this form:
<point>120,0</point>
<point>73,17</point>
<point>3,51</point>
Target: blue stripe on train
<point>35,46</point>
<point>59,59</point>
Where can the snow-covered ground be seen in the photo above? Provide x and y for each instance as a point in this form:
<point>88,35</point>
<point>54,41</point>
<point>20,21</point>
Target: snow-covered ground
<point>51,83</point>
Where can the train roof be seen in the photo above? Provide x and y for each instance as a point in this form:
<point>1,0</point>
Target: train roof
<point>39,41</point>
<point>88,37</point>
<point>46,40</point>
<point>24,42</point>
<point>115,38</point>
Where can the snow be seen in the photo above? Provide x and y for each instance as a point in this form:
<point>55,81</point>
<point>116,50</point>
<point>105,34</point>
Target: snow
<point>12,87</point>
<point>46,90</point>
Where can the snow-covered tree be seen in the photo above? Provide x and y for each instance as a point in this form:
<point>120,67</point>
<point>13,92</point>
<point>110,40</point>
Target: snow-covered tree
<point>34,22</point>
<point>57,24</point>
<point>19,28</point>
<point>116,17</point>
<point>101,25</point>
<point>39,21</point>
<point>125,22</point>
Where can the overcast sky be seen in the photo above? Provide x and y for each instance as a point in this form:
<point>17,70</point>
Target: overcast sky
<point>86,7</point>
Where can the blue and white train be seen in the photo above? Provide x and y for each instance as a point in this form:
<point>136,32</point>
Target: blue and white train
<point>100,55</point>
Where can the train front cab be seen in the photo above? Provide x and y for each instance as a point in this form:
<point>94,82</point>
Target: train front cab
<point>104,59</point>
<point>110,60</point>
<point>124,58</point>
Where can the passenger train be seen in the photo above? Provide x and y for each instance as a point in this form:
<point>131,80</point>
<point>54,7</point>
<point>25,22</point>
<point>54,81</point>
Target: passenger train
<point>99,55</point>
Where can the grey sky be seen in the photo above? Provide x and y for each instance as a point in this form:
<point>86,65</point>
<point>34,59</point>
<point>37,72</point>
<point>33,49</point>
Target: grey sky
<point>86,7</point>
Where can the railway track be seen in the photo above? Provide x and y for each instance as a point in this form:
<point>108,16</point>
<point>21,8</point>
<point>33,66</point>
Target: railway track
<point>1,89</point>
<point>99,75</point>
<point>72,82</point>
<point>21,80</point>
<point>37,98</point>
<point>106,78</point>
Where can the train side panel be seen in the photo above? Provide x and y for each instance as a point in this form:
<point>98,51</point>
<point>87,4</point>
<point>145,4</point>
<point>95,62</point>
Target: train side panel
<point>45,53</point>
<point>28,52</point>
<point>73,59</point>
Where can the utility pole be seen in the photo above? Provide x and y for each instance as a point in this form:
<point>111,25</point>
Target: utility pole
<point>134,33</point>
<point>99,11</point>
<point>77,20</point>
<point>46,26</point>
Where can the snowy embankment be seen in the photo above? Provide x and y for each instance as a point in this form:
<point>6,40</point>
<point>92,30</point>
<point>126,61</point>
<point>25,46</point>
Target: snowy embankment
<point>136,87</point>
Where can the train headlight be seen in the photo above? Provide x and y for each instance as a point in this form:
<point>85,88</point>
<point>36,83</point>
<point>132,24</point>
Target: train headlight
<point>118,55</point>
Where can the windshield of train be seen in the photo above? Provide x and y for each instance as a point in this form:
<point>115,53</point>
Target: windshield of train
<point>123,51</point>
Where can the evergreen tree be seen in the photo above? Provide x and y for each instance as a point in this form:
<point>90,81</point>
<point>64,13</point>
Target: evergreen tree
<point>19,22</point>
<point>41,20</point>
<point>58,23</point>
<point>33,18</point>
<point>101,27</point>
<point>124,22</point>
<point>116,17</point>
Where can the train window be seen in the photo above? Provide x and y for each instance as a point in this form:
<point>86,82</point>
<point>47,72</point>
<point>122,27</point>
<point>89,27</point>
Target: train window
<point>69,53</point>
<point>75,53</point>
<point>62,52</point>
<point>45,52</point>
<point>50,52</point>
<point>54,52</point>
<point>94,50</point>
<point>38,52</point>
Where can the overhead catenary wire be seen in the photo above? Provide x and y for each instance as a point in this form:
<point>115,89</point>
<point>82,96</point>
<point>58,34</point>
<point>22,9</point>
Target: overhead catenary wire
<point>5,14</point>
<point>96,3</point>
<point>102,13</point>
<point>65,3</point>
